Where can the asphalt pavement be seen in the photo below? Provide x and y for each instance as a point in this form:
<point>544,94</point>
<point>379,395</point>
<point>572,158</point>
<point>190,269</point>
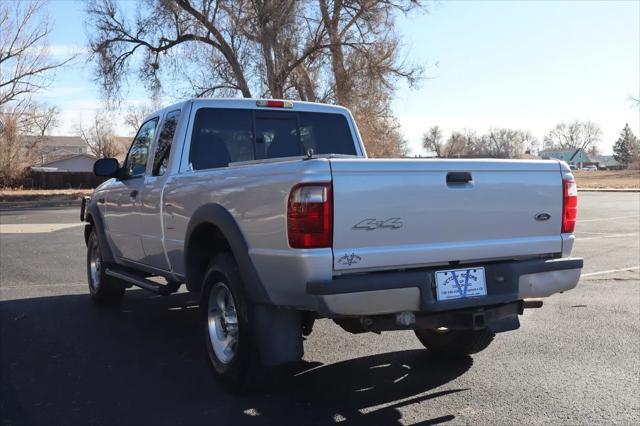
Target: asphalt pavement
<point>64,360</point>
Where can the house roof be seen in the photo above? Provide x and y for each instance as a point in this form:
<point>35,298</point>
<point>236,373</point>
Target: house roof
<point>66,157</point>
<point>60,140</point>
<point>606,160</point>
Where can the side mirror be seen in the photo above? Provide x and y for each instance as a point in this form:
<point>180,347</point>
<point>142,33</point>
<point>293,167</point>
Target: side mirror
<point>107,167</point>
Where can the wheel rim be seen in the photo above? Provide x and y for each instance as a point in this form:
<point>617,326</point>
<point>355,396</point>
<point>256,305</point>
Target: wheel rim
<point>95,265</point>
<point>223,323</point>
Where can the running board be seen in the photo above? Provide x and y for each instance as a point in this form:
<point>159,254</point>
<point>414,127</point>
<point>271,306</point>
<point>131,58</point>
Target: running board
<point>138,281</point>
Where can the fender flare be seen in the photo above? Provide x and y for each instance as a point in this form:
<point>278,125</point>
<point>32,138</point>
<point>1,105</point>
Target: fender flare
<point>98,223</point>
<point>218,216</point>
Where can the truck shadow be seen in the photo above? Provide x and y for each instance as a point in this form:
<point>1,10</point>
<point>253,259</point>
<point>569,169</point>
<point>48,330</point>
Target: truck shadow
<point>67,361</point>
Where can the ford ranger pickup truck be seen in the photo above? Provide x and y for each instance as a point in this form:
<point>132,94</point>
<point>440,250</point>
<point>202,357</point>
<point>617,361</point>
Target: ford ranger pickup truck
<point>273,213</point>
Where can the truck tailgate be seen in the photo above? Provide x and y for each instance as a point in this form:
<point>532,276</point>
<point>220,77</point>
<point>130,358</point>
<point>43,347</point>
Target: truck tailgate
<point>400,213</point>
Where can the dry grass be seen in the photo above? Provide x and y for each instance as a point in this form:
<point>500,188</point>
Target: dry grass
<point>608,179</point>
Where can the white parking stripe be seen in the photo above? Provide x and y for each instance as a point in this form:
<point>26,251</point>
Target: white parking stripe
<point>606,236</point>
<point>35,228</point>
<point>610,271</point>
<point>607,218</point>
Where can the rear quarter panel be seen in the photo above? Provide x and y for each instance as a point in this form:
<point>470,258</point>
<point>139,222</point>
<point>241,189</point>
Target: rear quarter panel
<point>256,195</point>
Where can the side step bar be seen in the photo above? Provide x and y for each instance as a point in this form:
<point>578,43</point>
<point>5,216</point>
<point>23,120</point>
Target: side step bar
<point>138,281</point>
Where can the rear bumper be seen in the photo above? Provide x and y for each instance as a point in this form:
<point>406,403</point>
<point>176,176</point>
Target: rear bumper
<point>414,290</point>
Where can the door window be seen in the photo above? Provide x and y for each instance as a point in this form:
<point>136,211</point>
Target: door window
<point>165,140</point>
<point>136,162</point>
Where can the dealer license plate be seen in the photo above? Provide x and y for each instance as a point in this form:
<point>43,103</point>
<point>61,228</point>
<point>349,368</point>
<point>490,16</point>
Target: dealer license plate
<point>460,283</point>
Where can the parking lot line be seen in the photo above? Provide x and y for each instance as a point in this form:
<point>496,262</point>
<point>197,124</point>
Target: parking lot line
<point>607,236</point>
<point>608,218</point>
<point>610,271</point>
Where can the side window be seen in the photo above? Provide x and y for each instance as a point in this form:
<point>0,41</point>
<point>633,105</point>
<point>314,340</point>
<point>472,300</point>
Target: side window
<point>220,137</point>
<point>165,140</point>
<point>136,162</point>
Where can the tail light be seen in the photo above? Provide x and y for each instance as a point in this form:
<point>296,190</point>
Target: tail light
<point>274,103</point>
<point>569,205</point>
<point>309,216</point>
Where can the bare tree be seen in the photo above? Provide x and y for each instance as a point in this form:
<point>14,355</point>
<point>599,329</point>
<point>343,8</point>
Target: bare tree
<point>574,135</point>
<point>25,63</point>
<point>235,38</point>
<point>365,64</point>
<point>15,152</point>
<point>44,118</point>
<point>135,115</point>
<point>23,126</point>
<point>496,143</point>
<point>461,144</point>
<point>506,143</point>
<point>99,136</point>
<point>344,52</point>
<point>433,140</point>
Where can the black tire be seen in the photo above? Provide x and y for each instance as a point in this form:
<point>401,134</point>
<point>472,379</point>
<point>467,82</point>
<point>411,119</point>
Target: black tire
<point>103,289</point>
<point>455,343</point>
<point>242,371</point>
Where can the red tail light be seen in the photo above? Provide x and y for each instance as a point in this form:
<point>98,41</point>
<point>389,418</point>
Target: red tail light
<point>274,103</point>
<point>309,216</point>
<point>569,205</point>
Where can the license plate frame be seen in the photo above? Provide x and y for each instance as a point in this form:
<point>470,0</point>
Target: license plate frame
<point>460,283</point>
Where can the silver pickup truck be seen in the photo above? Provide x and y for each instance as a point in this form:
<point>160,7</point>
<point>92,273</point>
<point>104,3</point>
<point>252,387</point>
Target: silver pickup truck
<point>273,213</point>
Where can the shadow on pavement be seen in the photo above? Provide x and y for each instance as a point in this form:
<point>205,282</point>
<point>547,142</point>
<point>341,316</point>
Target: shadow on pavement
<point>66,361</point>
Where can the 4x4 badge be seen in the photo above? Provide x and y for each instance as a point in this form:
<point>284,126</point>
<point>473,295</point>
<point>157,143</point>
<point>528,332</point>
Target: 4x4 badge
<point>372,224</point>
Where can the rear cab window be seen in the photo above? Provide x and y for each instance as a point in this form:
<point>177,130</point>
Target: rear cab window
<point>223,136</point>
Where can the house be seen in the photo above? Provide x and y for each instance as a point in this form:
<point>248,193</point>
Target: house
<point>51,147</point>
<point>69,163</point>
<point>573,157</point>
<point>607,162</point>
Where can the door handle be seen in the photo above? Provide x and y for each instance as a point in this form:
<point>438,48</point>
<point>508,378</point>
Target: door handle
<point>459,177</point>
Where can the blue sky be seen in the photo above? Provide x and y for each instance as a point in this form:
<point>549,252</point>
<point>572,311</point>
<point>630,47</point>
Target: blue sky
<point>514,64</point>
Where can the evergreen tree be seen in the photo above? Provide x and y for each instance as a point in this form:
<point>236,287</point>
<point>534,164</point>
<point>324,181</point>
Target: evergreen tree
<point>626,148</point>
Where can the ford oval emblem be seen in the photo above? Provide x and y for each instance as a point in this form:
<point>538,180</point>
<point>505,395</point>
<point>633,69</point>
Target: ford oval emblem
<point>541,217</point>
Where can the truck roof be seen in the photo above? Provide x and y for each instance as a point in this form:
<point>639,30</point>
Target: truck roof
<point>251,103</point>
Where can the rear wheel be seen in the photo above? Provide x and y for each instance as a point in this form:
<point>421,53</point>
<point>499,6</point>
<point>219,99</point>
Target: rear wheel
<point>103,288</point>
<point>455,343</point>
<point>228,333</point>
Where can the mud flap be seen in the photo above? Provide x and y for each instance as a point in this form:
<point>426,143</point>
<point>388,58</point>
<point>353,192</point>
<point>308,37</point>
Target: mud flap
<point>278,334</point>
<point>505,324</point>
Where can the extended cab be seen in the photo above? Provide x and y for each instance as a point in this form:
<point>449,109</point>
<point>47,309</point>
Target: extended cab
<point>272,212</point>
